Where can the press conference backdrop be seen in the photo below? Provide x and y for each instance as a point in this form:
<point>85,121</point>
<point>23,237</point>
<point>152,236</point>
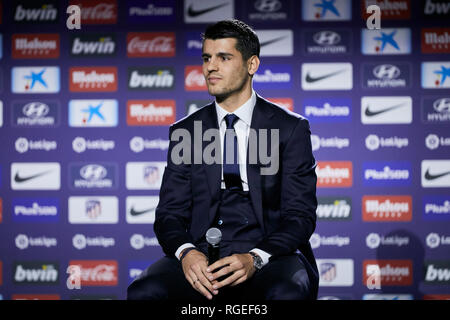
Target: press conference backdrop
<point>84,118</point>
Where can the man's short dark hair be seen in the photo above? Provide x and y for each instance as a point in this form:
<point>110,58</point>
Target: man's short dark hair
<point>247,40</point>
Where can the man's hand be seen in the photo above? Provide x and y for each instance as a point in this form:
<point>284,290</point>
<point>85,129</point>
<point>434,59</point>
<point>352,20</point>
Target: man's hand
<point>194,267</point>
<point>238,267</point>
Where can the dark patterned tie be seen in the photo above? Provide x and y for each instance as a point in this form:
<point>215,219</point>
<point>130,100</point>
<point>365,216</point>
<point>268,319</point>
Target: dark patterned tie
<point>231,173</point>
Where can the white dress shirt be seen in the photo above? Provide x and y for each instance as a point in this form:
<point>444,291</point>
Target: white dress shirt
<point>242,128</point>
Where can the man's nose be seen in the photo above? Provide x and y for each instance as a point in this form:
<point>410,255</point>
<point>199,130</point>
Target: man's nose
<point>212,65</point>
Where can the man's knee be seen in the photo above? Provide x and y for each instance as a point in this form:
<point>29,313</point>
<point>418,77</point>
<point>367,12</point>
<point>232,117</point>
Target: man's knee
<point>298,287</point>
<point>148,288</point>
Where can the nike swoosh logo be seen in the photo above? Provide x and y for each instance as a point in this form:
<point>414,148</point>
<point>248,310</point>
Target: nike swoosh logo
<point>271,41</point>
<point>371,113</point>
<point>19,179</point>
<point>430,176</point>
<point>310,79</point>
<point>135,213</point>
<point>195,13</point>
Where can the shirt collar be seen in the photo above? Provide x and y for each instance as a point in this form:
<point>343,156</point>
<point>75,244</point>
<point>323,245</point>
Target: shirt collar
<point>244,112</point>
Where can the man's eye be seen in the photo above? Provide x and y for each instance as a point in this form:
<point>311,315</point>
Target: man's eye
<point>206,59</point>
<point>225,58</point>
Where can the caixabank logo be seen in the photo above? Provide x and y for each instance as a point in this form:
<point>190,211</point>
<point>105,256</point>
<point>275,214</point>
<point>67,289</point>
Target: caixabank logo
<point>97,272</point>
<point>436,75</point>
<point>35,46</point>
<point>42,79</point>
<point>386,41</point>
<point>93,113</point>
<point>325,10</point>
<point>35,272</point>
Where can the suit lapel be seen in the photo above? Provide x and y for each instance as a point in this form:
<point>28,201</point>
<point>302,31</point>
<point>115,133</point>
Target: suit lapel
<point>260,120</point>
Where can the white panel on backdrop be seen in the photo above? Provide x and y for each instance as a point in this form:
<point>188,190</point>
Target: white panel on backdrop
<point>93,210</point>
<point>144,175</point>
<point>93,113</point>
<point>325,10</point>
<point>386,41</point>
<point>277,42</point>
<point>335,272</point>
<point>141,209</point>
<point>35,79</point>
<point>327,76</point>
<point>35,176</point>
<point>436,75</point>
<point>200,11</point>
<point>386,110</point>
<point>435,173</point>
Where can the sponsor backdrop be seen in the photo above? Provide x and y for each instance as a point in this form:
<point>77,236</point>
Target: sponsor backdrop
<point>84,117</point>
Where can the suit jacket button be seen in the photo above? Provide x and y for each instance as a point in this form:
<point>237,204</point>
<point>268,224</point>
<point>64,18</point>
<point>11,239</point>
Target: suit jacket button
<point>220,222</point>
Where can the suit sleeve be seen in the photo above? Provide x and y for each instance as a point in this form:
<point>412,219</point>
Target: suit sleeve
<point>173,213</point>
<point>298,194</point>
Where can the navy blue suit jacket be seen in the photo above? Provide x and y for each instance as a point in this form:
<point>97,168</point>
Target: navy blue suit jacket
<point>284,203</point>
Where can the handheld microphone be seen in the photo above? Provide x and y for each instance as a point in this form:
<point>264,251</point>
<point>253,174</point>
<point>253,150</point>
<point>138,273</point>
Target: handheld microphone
<point>213,237</point>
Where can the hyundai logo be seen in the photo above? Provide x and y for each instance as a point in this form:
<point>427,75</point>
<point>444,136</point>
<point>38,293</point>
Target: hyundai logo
<point>442,105</point>
<point>35,110</point>
<point>326,38</point>
<point>268,5</point>
<point>386,72</point>
<point>93,172</point>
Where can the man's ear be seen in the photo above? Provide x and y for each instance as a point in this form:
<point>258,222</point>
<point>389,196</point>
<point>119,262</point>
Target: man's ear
<point>252,65</point>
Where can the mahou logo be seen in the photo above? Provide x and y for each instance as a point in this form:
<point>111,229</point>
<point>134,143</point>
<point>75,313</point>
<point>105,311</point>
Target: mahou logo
<point>388,272</point>
<point>436,40</point>
<point>390,9</point>
<point>34,46</point>
<point>93,79</point>
<point>150,44</point>
<point>97,11</point>
<point>97,272</point>
<point>334,174</point>
<point>150,112</point>
<point>194,79</point>
<point>386,208</point>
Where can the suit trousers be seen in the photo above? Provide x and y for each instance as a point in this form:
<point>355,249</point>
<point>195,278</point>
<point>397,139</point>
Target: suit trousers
<point>283,278</point>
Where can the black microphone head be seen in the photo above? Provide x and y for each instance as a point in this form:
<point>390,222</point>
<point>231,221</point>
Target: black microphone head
<point>213,236</point>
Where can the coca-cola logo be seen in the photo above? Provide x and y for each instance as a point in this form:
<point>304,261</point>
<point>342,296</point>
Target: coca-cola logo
<point>97,272</point>
<point>194,79</point>
<point>97,11</point>
<point>151,44</point>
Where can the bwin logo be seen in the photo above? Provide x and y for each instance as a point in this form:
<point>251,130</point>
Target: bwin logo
<point>442,105</point>
<point>93,172</point>
<point>326,38</point>
<point>386,72</point>
<point>268,5</point>
<point>35,110</point>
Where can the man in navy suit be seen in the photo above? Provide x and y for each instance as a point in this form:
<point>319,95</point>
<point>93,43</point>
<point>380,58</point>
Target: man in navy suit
<point>265,211</point>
